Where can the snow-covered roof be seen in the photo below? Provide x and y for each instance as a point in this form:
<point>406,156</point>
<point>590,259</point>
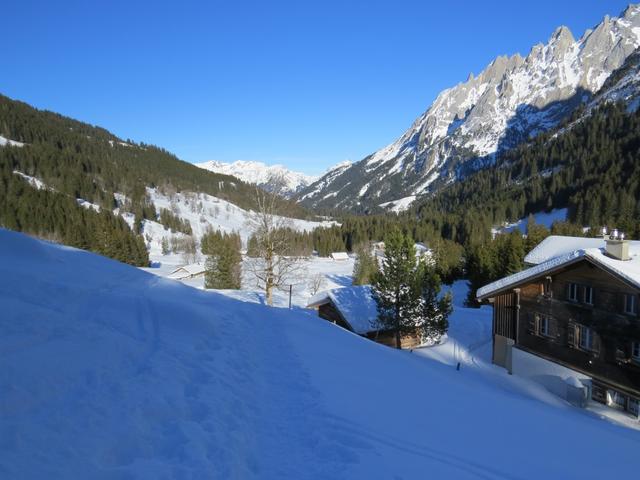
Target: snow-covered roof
<point>627,270</point>
<point>340,256</point>
<point>188,270</point>
<point>556,245</point>
<point>356,305</point>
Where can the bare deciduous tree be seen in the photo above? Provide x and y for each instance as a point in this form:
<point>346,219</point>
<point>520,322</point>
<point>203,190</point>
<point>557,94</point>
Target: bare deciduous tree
<point>189,247</point>
<point>271,264</point>
<point>315,284</point>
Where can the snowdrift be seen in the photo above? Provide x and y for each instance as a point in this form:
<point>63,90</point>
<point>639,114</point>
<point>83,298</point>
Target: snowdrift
<point>107,371</point>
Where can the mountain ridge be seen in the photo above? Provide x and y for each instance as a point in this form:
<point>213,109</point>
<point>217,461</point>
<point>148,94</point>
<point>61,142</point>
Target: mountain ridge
<point>512,100</point>
<point>276,178</point>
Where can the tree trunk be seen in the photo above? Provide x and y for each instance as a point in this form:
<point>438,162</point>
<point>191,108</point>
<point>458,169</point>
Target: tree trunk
<point>398,341</point>
<point>269,292</point>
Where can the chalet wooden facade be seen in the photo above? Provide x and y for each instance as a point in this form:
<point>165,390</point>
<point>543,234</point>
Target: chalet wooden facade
<point>354,309</point>
<point>579,312</point>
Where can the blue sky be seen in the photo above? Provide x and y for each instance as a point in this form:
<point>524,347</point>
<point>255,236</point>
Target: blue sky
<point>307,84</point>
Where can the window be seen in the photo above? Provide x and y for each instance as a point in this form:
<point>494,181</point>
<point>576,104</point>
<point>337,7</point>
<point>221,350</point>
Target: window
<point>616,400</point>
<point>541,325</point>
<point>621,401</point>
<point>546,287</point>
<point>580,293</point>
<point>544,326</point>
<point>630,304</point>
<point>585,338</point>
<point>573,292</point>
<point>598,393</point>
<point>588,295</point>
<point>635,351</point>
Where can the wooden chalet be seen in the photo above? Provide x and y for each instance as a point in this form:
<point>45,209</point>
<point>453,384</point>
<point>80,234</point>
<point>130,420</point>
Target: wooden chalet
<point>571,321</point>
<point>354,309</point>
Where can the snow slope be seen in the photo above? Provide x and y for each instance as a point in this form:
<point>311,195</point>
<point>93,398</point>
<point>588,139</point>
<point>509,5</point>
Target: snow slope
<point>207,212</point>
<point>546,219</point>
<point>6,141</point>
<point>109,372</point>
<point>262,174</point>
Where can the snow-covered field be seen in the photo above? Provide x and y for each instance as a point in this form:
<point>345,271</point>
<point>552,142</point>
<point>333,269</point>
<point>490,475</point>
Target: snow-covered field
<point>110,372</point>
<point>334,274</point>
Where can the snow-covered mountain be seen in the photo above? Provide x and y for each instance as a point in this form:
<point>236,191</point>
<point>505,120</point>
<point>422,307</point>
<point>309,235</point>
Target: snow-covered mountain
<point>270,177</point>
<point>513,99</point>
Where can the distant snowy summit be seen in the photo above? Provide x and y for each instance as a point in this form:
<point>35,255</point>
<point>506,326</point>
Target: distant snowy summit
<point>512,100</point>
<point>270,177</point>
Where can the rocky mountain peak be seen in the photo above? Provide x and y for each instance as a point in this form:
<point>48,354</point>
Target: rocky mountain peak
<point>510,101</point>
<point>562,38</point>
<point>631,11</point>
<point>270,177</point>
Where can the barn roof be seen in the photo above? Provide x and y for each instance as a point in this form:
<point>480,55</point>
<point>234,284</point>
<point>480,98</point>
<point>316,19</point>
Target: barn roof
<point>355,304</point>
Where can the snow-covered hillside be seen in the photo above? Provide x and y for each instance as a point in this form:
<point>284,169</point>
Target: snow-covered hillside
<point>270,177</point>
<point>546,219</point>
<point>7,141</point>
<point>205,212</point>
<point>109,372</point>
<point>513,99</point>
<point>202,211</point>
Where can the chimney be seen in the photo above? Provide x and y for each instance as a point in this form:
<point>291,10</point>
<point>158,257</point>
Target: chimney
<point>615,245</point>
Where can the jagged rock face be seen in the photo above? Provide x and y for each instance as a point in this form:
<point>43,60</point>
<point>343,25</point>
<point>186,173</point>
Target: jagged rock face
<point>623,85</point>
<point>513,99</point>
<point>273,178</point>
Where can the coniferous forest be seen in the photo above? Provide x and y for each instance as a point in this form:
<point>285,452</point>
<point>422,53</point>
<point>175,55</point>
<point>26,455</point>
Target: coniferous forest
<point>75,160</point>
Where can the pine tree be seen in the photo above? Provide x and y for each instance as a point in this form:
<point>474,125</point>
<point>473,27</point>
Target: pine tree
<point>223,266</point>
<point>365,266</point>
<point>435,311</point>
<point>396,287</point>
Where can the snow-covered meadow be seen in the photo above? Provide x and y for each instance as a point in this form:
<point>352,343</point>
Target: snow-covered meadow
<point>304,284</point>
<point>110,372</point>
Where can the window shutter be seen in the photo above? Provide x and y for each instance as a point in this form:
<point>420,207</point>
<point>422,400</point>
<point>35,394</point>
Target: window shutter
<point>572,337</point>
<point>531,326</point>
